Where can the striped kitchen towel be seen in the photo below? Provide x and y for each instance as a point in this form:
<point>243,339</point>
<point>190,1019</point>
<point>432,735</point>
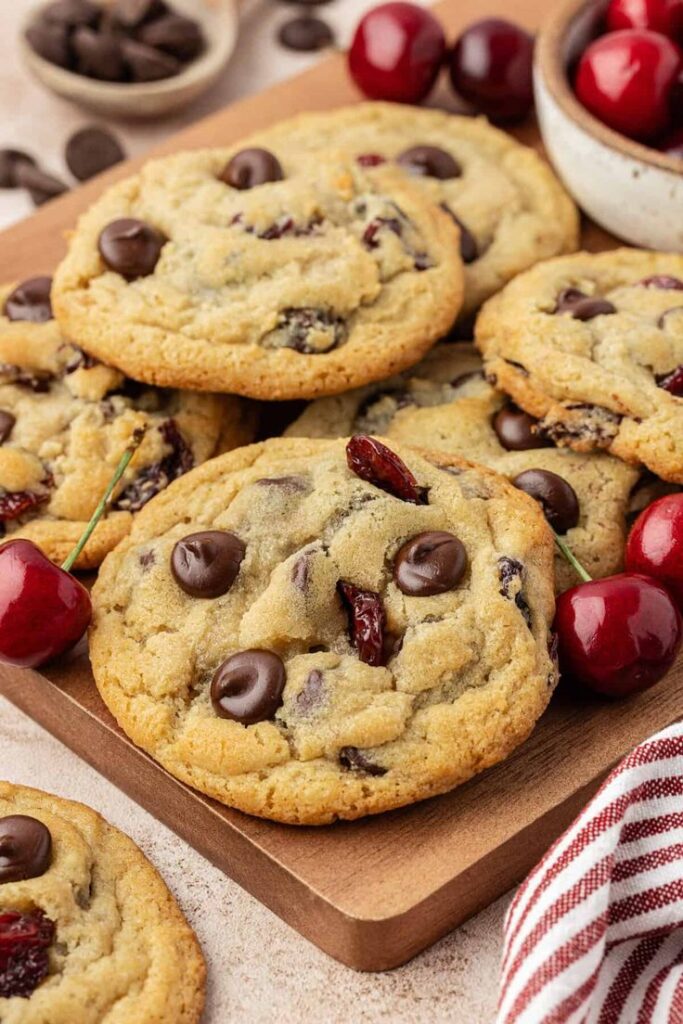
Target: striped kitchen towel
<point>595,933</point>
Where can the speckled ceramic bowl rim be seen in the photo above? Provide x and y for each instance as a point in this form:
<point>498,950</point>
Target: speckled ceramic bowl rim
<point>550,63</point>
<point>204,66</point>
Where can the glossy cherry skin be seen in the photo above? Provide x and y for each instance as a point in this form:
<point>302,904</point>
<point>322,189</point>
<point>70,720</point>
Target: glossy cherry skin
<point>491,67</point>
<point>655,544</point>
<point>44,611</point>
<point>673,144</point>
<point>626,79</point>
<point>396,53</point>
<point>619,635</point>
<point>665,16</point>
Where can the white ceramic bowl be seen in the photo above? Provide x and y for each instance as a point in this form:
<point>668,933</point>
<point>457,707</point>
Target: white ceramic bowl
<point>147,99</point>
<point>631,190</point>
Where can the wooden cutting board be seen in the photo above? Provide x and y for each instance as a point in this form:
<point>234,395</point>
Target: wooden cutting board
<point>371,893</point>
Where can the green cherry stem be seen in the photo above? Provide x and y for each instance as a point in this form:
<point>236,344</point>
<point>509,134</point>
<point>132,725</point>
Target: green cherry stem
<point>128,454</point>
<point>571,558</point>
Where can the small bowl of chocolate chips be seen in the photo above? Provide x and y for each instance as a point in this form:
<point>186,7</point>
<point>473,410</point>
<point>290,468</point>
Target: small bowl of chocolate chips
<point>129,58</point>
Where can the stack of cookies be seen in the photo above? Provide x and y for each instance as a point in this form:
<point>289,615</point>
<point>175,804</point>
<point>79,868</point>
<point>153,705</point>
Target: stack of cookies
<point>355,615</point>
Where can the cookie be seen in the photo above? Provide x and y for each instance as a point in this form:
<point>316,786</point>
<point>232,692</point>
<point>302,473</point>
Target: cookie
<point>510,207</point>
<point>95,933</point>
<point>65,420</point>
<point>269,274</point>
<point>310,630</point>
<point>446,404</point>
<point>592,345</point>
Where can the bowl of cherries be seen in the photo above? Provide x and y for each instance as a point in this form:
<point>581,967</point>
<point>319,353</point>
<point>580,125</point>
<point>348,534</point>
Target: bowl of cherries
<point>608,81</point>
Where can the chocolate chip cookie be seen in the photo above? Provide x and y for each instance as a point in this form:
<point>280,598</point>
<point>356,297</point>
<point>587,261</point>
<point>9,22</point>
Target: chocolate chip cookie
<point>510,208</point>
<point>261,272</point>
<point>65,420</point>
<point>88,930</point>
<point>446,404</point>
<point>310,630</point>
<point>592,345</point>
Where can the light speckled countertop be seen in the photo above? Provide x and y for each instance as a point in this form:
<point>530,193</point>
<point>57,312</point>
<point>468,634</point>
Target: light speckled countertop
<point>260,971</point>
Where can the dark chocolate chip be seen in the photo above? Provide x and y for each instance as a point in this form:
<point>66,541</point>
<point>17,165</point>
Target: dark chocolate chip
<point>355,761</point>
<point>92,150</point>
<point>509,572</point>
<point>131,13</point>
<point>516,430</point>
<point>301,571</point>
<point>206,564</point>
<point>7,421</point>
<point>37,380</point>
<point>130,247</point>
<point>40,185</point>
<point>251,167</point>
<point>98,55</point>
<point>30,301</point>
<point>661,321</point>
<point>430,162</point>
<point>300,323</point>
<point>72,13</point>
<point>145,64</point>
<point>159,475</point>
<point>248,687</point>
<point>310,694</point>
<point>80,360</point>
<point>556,497</point>
<point>581,306</point>
<point>174,34</point>
<point>25,848</point>
<point>10,159</point>
<point>305,34</point>
<point>51,42</point>
<point>370,159</point>
<point>431,563</point>
<point>469,247</point>
<point>664,282</point>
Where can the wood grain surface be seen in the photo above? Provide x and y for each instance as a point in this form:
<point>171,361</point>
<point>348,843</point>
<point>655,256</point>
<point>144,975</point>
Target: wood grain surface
<point>371,893</point>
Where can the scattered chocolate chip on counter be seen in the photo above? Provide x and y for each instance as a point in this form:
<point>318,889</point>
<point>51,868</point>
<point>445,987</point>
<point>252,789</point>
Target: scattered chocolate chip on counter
<point>92,150</point>
<point>305,34</point>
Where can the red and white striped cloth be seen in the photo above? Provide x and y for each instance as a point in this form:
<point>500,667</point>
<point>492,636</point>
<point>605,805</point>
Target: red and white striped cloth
<point>595,933</point>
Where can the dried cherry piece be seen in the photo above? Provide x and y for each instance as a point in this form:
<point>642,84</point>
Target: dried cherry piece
<point>160,474</point>
<point>14,504</point>
<point>367,620</point>
<point>510,572</point>
<point>673,382</point>
<point>24,941</point>
<point>371,460</point>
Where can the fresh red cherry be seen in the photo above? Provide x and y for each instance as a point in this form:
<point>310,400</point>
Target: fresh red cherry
<point>44,611</point>
<point>655,544</point>
<point>491,67</point>
<point>396,53</point>
<point>673,144</point>
<point>665,16</point>
<point>626,79</point>
<point>619,635</point>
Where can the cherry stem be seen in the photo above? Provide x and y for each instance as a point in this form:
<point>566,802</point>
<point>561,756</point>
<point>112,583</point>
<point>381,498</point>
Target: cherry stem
<point>128,454</point>
<point>571,558</point>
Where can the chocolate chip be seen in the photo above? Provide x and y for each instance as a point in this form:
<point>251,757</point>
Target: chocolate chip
<point>556,497</point>
<point>7,421</point>
<point>431,563</point>
<point>300,572</point>
<point>159,475</point>
<point>92,150</point>
<point>80,360</point>
<point>251,167</point>
<point>248,687</point>
<point>310,694</point>
<point>661,321</point>
<point>37,380</point>
<point>510,571</point>
<point>72,13</point>
<point>41,186</point>
<point>131,13</point>
<point>430,162</point>
<point>206,564</point>
<point>51,42</point>
<point>174,34</point>
<point>145,64</point>
<point>130,247</point>
<point>582,306</point>
<point>305,34</point>
<point>10,160</point>
<point>469,247</point>
<point>98,55</point>
<point>25,848</point>
<point>664,282</point>
<point>355,761</point>
<point>30,301</point>
<point>516,430</point>
<point>299,324</point>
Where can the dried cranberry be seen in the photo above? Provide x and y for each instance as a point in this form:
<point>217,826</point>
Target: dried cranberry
<point>370,159</point>
<point>371,460</point>
<point>673,382</point>
<point>14,504</point>
<point>24,941</point>
<point>366,621</point>
<point>376,225</point>
<point>153,479</point>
